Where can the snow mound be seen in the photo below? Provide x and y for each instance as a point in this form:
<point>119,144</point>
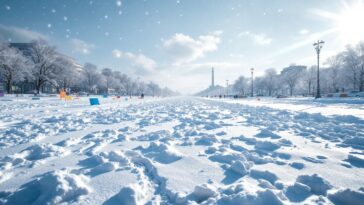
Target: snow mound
<point>152,136</point>
<point>41,151</point>
<point>116,156</point>
<point>297,165</point>
<point>266,145</point>
<point>241,167</point>
<point>347,196</point>
<point>298,192</point>
<point>56,187</point>
<point>203,192</point>
<point>318,185</point>
<point>265,133</point>
<point>226,158</point>
<point>266,175</point>
<point>161,152</point>
<point>355,161</point>
<point>206,140</point>
<point>133,194</point>
<point>260,198</point>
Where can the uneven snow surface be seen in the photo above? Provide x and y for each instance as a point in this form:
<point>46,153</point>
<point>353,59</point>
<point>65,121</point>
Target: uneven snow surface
<point>181,151</point>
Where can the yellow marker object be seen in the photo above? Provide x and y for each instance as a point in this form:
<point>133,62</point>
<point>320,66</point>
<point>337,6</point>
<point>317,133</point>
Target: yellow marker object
<point>67,97</point>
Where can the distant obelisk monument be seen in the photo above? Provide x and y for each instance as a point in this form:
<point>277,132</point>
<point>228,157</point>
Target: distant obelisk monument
<point>212,78</point>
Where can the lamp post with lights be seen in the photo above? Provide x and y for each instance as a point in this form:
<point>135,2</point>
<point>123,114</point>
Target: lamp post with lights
<point>252,82</point>
<point>318,47</point>
<point>227,88</point>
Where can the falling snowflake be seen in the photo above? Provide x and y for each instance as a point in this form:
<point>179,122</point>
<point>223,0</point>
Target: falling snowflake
<point>147,13</point>
<point>107,33</point>
<point>118,3</point>
<point>65,18</point>
<point>106,17</point>
<point>53,11</point>
<point>49,25</point>
<point>120,12</point>
<point>178,1</point>
<point>7,7</point>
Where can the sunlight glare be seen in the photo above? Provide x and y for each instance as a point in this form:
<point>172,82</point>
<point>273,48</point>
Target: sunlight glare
<point>349,23</point>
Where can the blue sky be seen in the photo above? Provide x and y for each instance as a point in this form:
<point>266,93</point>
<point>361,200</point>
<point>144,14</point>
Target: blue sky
<point>176,42</point>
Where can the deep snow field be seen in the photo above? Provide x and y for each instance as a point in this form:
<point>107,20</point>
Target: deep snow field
<point>182,150</point>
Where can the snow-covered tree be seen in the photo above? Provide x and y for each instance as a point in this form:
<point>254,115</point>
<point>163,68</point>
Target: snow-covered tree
<point>108,75</point>
<point>334,65</point>
<point>91,76</point>
<point>43,56</point>
<point>153,89</point>
<point>309,79</point>
<point>240,85</point>
<point>65,72</point>
<point>14,67</point>
<point>291,76</point>
<point>353,59</point>
<point>270,80</point>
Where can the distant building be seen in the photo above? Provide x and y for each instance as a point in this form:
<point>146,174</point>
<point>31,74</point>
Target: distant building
<point>295,68</point>
<point>25,48</point>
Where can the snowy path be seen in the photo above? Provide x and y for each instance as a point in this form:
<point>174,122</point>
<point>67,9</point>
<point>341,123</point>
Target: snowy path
<point>178,151</point>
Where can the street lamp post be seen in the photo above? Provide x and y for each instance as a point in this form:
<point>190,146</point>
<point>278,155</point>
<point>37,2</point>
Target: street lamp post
<point>227,88</point>
<point>318,47</point>
<point>252,83</point>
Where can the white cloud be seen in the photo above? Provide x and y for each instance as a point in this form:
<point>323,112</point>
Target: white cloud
<point>260,39</point>
<point>141,64</point>
<point>184,48</point>
<point>16,34</point>
<point>80,46</point>
<point>117,53</point>
<point>304,31</point>
<point>142,61</point>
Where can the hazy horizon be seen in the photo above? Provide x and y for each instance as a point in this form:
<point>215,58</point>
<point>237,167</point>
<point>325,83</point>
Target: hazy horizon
<point>175,43</point>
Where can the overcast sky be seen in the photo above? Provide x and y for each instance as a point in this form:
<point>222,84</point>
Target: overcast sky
<point>176,42</point>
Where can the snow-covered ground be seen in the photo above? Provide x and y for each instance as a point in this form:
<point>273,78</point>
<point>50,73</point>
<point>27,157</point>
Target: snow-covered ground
<point>181,150</point>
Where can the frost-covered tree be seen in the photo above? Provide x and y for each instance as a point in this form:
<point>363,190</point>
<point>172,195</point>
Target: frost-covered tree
<point>240,85</point>
<point>291,76</point>
<point>353,59</point>
<point>141,87</point>
<point>91,76</point>
<point>14,67</point>
<point>309,79</point>
<point>42,56</point>
<point>65,72</point>
<point>360,56</point>
<point>270,80</point>
<point>108,75</point>
<point>334,65</point>
<point>153,89</point>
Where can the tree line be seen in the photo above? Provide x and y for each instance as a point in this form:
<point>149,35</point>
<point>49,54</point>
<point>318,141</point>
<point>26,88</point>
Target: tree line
<point>41,65</point>
<point>339,73</point>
